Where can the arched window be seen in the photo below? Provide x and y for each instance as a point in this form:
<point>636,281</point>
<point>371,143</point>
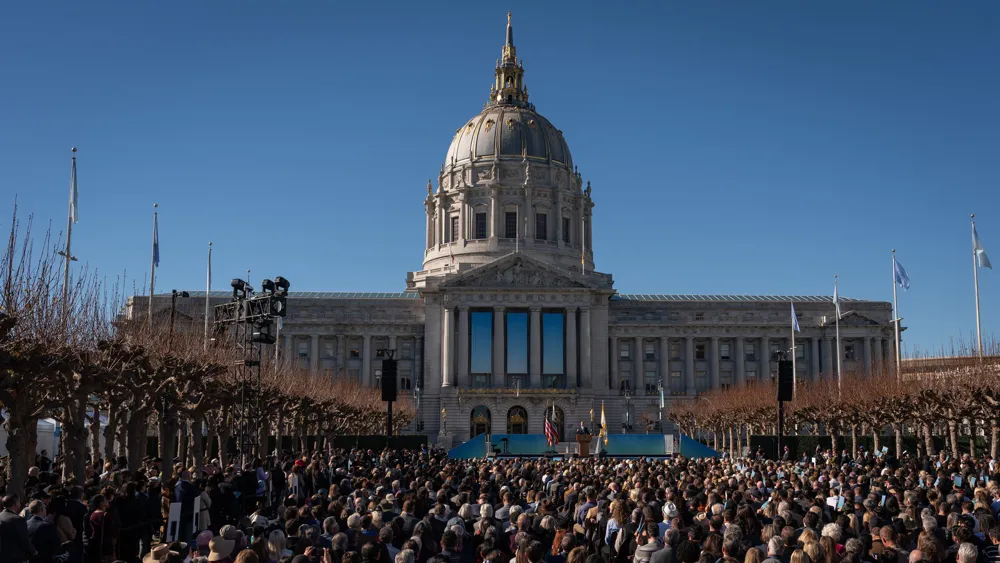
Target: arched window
<point>517,421</point>
<point>479,421</point>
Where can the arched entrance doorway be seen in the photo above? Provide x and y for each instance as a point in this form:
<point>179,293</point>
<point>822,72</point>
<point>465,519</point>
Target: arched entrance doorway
<point>517,421</point>
<point>479,421</point>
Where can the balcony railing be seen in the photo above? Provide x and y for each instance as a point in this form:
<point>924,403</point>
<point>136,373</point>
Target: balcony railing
<point>554,381</point>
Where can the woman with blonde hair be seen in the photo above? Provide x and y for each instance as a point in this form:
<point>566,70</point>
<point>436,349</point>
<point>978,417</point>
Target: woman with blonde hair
<point>753,555</point>
<point>808,535</point>
<point>799,556</point>
<point>276,545</point>
<point>814,550</point>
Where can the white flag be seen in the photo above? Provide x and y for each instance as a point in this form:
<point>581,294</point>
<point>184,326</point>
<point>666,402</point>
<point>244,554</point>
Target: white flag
<point>836,298</point>
<point>977,247</point>
<point>74,204</point>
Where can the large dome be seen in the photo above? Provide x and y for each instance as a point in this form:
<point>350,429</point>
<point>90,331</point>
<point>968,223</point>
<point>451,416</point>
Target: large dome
<point>509,132</point>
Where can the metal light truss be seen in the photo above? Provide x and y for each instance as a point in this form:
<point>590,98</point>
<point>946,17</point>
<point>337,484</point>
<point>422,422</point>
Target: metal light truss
<point>242,315</point>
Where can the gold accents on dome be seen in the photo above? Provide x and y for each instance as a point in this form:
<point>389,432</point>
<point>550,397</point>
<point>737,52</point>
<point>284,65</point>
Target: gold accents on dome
<point>508,86</point>
<point>532,123</point>
<point>489,124</point>
<point>510,124</point>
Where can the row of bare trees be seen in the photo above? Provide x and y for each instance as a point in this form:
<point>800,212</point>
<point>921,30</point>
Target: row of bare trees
<point>946,397</point>
<point>76,359</point>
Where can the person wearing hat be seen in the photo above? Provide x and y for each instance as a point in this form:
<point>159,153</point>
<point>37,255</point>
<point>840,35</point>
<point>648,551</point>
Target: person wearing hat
<point>220,550</point>
<point>158,554</point>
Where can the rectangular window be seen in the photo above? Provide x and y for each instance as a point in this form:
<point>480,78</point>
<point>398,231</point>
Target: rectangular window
<point>407,350</point>
<point>701,380</point>
<point>623,351</point>
<point>675,350</point>
<point>481,342</point>
<point>699,351</point>
<point>553,349</point>
<point>454,228</point>
<point>510,224</point>
<point>565,226</point>
<point>481,380</point>
<point>751,374</point>
<point>355,352</point>
<point>676,382</point>
<point>800,351</point>
<point>517,342</point>
<point>650,380</point>
<point>699,316</point>
<point>327,349</point>
<point>750,349</point>
<point>725,386</point>
<point>480,225</point>
<point>674,316</point>
<point>849,352</point>
<point>724,350</point>
<point>726,377</point>
<point>541,226</point>
<point>649,350</point>
<point>303,348</point>
<point>405,381</point>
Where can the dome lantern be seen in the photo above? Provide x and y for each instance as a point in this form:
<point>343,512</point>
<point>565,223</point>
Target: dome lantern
<point>508,88</point>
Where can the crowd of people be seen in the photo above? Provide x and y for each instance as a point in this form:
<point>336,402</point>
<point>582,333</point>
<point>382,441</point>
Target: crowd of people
<point>421,507</point>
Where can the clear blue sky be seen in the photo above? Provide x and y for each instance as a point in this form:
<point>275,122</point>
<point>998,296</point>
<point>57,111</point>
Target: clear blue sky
<point>737,147</point>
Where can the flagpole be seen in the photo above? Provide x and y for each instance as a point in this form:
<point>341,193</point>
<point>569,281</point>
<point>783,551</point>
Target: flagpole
<point>517,232</point>
<point>152,268</point>
<point>795,354</point>
<point>583,244</point>
<point>69,231</point>
<point>208,289</point>
<point>895,314</point>
<point>975,277</point>
<point>837,293</point>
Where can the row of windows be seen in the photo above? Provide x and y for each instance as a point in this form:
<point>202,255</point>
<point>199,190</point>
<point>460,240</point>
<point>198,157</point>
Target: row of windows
<point>480,229</point>
<point>328,349</point>
<point>725,351</point>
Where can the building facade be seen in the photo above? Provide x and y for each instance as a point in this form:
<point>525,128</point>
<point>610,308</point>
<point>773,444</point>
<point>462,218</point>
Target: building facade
<point>508,317</point>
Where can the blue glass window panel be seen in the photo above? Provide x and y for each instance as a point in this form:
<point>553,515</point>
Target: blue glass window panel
<point>481,342</point>
<point>553,344</point>
<point>517,342</point>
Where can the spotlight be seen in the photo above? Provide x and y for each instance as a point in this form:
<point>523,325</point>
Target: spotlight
<point>380,353</point>
<point>262,333</point>
<point>282,285</point>
<point>239,288</point>
<point>267,286</point>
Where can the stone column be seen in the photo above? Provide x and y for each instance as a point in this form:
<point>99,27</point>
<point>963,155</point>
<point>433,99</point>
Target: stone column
<point>535,348</point>
<point>418,360</point>
<point>665,364</point>
<point>713,363</point>
<point>868,354</point>
<point>366,360</point>
<point>290,348</point>
<point>741,361</point>
<point>891,354</point>
<point>689,366</point>
<point>638,371</point>
<point>447,356</point>
<point>558,219</point>
<point>314,354</point>
<point>499,348</point>
<point>879,354</point>
<point>614,364</point>
<point>392,343</point>
<point>765,359</point>
<point>814,359</point>
<point>495,214</point>
<point>830,363</point>
<point>463,347</point>
<point>572,375</point>
<point>586,369</point>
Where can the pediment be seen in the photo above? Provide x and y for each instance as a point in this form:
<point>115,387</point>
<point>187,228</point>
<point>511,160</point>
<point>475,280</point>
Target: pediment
<point>517,271</point>
<point>853,318</point>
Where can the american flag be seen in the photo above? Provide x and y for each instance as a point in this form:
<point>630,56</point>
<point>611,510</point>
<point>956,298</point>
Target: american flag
<point>551,436</point>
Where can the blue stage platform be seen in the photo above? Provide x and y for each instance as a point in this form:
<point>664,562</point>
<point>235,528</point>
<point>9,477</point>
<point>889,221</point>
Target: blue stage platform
<point>619,445</point>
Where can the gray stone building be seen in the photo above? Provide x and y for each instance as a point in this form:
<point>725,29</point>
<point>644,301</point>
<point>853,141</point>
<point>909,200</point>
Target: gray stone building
<point>508,316</point>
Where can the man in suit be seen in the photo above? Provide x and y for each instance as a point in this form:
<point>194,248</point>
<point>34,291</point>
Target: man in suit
<point>409,520</point>
<point>42,534</point>
<point>14,538</point>
<point>185,493</point>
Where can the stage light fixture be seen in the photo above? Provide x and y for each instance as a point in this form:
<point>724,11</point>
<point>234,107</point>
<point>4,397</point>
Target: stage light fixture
<point>282,285</point>
<point>267,286</point>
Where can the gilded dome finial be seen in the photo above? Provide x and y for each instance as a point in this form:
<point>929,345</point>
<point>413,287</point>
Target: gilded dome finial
<point>509,74</point>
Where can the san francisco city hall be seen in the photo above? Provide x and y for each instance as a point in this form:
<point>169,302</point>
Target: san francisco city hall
<point>508,313</point>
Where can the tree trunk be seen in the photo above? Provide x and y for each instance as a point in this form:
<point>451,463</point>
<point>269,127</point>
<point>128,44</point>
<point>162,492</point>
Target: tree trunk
<point>74,440</point>
<point>210,437</point>
<point>876,443</point>
<point>953,437</point>
<point>95,432</point>
<point>897,429</point>
<point>854,440</point>
<point>168,442</point>
<point>198,455</point>
<point>928,439</point>
<point>184,427</point>
<point>109,433</point>
<point>135,438</point>
<point>121,428</point>
<point>18,448</point>
<point>994,438</point>
<point>280,428</point>
<point>831,429</point>
<point>223,433</point>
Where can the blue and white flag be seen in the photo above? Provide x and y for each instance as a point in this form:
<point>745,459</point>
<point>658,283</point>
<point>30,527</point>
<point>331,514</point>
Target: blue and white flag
<point>156,242</point>
<point>795,320</point>
<point>900,274</point>
<point>74,196</point>
<point>977,247</point>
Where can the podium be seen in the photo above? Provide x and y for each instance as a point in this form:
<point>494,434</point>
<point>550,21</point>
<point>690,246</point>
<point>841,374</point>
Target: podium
<point>583,443</point>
